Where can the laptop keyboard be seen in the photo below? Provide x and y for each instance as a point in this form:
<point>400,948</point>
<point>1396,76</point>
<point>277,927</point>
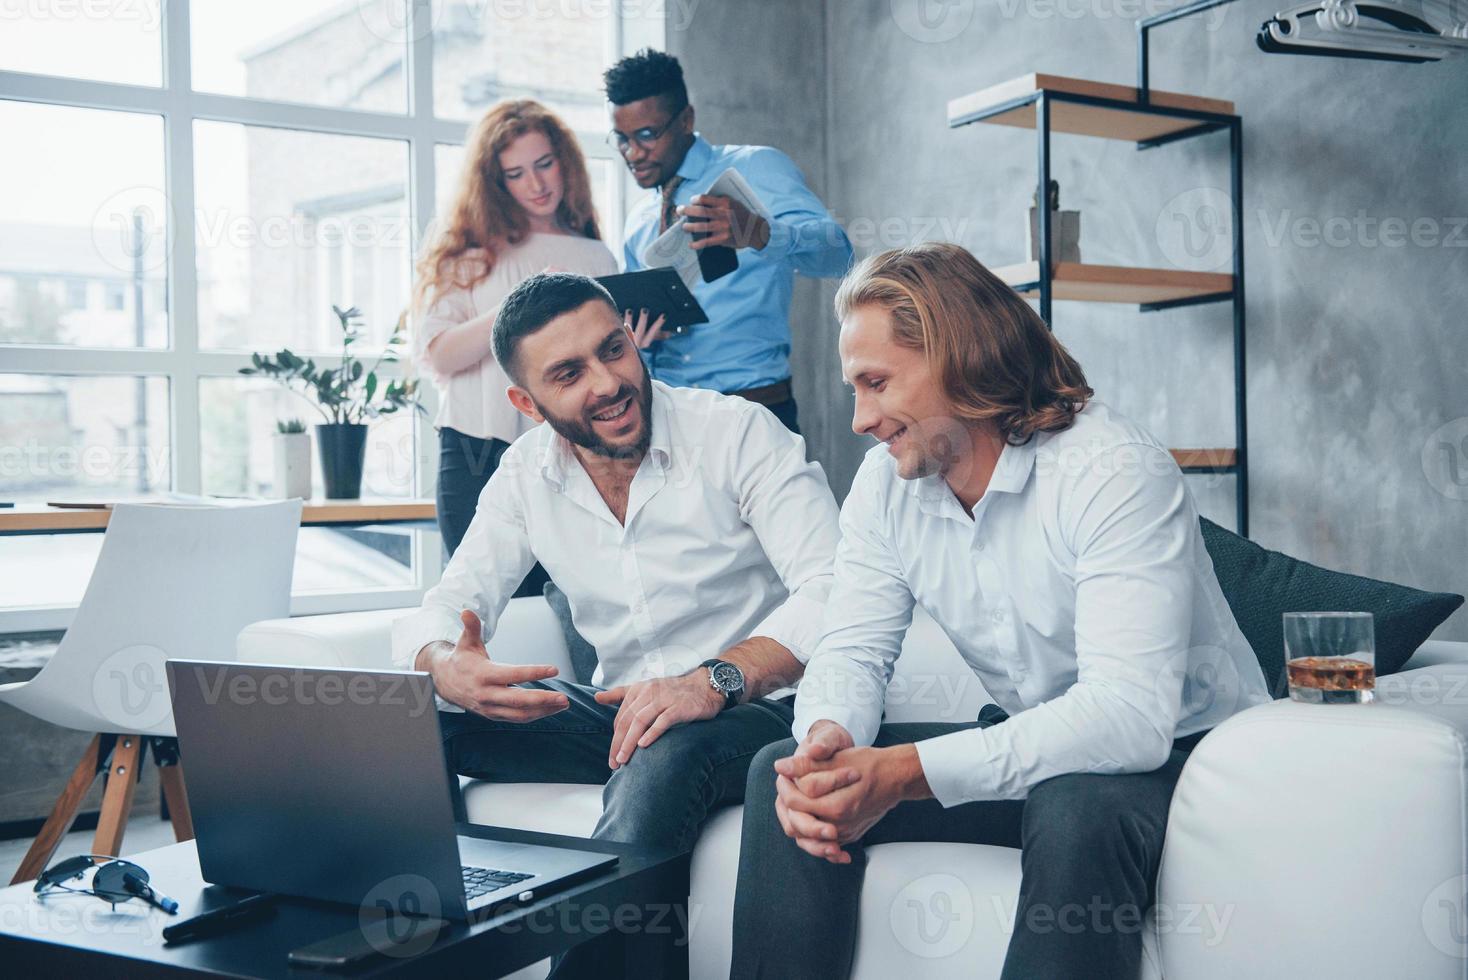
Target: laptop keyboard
<point>482,881</point>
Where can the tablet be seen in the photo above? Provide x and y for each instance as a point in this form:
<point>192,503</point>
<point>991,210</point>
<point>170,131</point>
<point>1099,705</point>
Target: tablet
<point>659,291</point>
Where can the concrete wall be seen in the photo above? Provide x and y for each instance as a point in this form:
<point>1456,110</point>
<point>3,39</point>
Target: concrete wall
<point>757,73</point>
<point>1356,240</point>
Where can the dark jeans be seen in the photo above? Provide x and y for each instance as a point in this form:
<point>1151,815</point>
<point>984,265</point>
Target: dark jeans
<point>663,795</point>
<point>465,464</point>
<point>1091,845</point>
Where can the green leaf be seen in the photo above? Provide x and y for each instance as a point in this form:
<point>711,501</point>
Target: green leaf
<point>371,385</point>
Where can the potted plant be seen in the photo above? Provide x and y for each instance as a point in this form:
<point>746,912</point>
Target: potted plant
<point>292,460</point>
<point>346,396</point>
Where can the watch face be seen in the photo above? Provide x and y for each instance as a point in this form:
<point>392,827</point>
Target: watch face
<point>727,677</point>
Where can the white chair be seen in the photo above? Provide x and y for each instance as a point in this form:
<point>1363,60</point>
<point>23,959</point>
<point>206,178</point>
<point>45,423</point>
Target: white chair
<point>169,582</point>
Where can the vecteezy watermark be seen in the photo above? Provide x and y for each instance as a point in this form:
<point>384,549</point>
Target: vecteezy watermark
<point>133,230</point>
<point>1445,917</point>
<point>62,917</point>
<point>932,21</point>
<point>1445,459</point>
<point>1361,230</point>
<point>303,686</point>
<point>146,12</point>
<point>866,232</point>
<point>129,689</point>
<point>397,21</point>
<point>1195,229</point>
<point>394,913</point>
<point>1204,678</point>
<point>933,916</point>
<point>1127,10</point>
<point>1101,916</point>
<point>572,918</point>
<point>93,464</point>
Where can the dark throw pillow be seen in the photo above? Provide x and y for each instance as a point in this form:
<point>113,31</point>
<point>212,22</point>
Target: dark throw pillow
<point>583,654</point>
<point>1262,585</point>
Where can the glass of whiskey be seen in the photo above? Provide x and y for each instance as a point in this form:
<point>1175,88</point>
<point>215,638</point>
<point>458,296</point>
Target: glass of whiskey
<point>1330,657</point>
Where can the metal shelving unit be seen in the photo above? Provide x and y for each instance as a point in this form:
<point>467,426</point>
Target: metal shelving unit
<point>1055,104</point>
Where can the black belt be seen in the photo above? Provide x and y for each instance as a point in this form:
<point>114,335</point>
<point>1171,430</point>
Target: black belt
<point>774,394</point>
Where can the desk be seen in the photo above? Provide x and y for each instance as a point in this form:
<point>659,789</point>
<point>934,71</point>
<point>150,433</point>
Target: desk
<point>79,936</point>
<point>40,519</point>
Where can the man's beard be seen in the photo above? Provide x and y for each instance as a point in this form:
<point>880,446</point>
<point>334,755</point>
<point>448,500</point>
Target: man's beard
<point>581,431</point>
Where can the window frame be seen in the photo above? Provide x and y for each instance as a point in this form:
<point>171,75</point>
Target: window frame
<point>182,363</point>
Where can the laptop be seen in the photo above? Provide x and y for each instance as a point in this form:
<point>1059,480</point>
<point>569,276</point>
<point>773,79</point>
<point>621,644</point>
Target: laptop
<point>330,783</point>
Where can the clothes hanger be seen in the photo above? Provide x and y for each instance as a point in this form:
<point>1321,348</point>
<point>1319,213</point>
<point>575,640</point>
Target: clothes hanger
<point>1414,31</point>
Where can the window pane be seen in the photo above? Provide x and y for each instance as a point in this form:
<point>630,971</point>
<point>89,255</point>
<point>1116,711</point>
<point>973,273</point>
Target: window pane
<point>103,40</point>
<point>448,162</point>
<point>83,246</point>
<point>75,437</point>
<point>237,419</point>
<point>323,52</point>
<point>346,559</point>
<point>289,224</point>
<point>57,567</point>
<point>551,52</point>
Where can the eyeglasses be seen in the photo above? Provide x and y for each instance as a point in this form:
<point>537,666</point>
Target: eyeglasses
<point>116,881</point>
<point>644,137</point>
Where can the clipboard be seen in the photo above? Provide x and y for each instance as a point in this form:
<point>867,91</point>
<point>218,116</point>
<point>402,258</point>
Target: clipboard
<point>660,291</point>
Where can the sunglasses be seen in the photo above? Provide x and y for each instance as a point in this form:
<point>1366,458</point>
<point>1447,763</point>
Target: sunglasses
<point>116,881</point>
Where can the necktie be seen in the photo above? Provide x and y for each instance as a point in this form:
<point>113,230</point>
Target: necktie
<point>669,208</point>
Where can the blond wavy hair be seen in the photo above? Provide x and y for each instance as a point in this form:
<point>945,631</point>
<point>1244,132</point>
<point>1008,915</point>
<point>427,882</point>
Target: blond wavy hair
<point>994,358</point>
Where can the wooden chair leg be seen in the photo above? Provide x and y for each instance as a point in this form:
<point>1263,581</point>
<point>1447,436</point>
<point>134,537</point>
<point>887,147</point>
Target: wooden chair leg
<point>62,814</point>
<point>172,778</point>
<point>117,800</point>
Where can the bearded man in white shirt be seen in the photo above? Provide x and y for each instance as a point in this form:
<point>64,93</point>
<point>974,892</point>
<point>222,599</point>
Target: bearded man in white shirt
<point>694,543</point>
<point>1058,546</point>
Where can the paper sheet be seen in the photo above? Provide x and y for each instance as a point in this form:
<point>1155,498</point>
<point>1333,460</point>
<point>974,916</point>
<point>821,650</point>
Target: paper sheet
<point>673,247</point>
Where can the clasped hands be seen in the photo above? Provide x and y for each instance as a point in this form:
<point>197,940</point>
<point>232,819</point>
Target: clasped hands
<point>830,793</point>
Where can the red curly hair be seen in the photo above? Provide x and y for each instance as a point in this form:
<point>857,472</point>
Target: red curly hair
<point>484,215</point>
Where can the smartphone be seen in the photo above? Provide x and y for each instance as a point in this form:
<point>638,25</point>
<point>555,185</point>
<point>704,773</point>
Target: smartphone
<point>714,263</point>
<point>390,935</point>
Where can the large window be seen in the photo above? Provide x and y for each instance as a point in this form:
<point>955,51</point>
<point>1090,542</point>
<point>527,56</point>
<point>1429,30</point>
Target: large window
<point>184,183</point>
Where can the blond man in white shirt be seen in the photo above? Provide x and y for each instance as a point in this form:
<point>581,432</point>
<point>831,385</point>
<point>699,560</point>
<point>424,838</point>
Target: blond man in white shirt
<point>1058,546</point>
<point>694,543</point>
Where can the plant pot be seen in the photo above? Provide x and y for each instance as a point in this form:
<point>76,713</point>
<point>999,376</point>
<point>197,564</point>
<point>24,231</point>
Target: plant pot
<point>343,447</point>
<point>292,465</point>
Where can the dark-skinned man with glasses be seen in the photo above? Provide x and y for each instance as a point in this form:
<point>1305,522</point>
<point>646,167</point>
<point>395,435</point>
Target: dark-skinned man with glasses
<point>744,349</point>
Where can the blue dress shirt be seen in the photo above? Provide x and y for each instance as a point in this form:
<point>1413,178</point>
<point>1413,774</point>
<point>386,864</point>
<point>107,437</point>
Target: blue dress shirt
<point>746,343</point>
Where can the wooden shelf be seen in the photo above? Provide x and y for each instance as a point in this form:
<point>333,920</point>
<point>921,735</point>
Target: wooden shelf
<point>1116,283</point>
<point>1086,120</point>
<point>39,519</point>
<point>1206,459</point>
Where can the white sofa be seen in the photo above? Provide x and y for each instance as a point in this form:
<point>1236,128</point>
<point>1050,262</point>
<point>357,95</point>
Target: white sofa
<point>1303,840</point>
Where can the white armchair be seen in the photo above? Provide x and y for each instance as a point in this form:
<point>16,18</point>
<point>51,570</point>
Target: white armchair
<point>1303,840</point>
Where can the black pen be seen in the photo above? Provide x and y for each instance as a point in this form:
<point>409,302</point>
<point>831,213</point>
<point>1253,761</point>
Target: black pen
<point>220,920</point>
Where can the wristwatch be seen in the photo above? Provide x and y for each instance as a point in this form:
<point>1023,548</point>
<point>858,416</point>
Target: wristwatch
<point>727,679</point>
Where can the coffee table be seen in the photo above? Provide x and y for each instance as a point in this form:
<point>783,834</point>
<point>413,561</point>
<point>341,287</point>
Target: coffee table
<point>637,911</point>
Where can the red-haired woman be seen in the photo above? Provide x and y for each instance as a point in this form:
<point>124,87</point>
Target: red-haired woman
<point>523,205</point>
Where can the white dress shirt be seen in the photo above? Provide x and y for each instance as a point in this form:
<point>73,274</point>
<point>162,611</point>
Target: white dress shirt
<point>473,401</point>
<point>729,534</point>
<point>1079,592</point>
